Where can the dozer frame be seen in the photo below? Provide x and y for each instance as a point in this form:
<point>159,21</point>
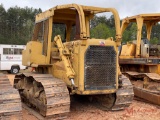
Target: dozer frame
<point>81,65</point>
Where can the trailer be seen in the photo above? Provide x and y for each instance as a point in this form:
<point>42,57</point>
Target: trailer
<point>11,58</point>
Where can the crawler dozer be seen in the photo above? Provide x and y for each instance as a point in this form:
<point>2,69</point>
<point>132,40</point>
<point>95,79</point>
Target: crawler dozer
<point>72,63</point>
<point>140,60</point>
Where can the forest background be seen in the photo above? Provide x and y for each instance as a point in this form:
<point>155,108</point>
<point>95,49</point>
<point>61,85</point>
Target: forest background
<point>17,24</point>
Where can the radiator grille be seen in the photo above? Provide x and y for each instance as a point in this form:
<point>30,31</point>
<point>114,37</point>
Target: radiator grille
<point>100,68</point>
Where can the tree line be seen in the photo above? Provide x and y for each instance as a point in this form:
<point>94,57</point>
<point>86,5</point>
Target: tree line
<point>16,24</point>
<point>16,27</point>
<point>103,27</point>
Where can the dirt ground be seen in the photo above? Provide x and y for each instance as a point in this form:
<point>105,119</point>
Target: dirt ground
<point>83,110</point>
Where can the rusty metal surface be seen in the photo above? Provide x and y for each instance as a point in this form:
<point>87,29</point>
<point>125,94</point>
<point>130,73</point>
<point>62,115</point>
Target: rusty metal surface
<point>54,102</point>
<point>10,102</point>
<point>142,93</point>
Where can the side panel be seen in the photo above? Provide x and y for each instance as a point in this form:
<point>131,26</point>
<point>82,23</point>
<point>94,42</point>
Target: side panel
<point>33,54</point>
<point>128,51</point>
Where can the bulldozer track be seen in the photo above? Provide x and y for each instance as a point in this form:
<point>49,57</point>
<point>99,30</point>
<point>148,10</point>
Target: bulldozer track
<point>150,92</point>
<point>151,76</point>
<point>33,112</point>
<point>121,99</point>
<point>124,95</point>
<point>44,93</point>
<point>10,101</point>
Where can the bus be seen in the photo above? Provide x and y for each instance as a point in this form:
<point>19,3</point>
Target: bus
<point>11,58</point>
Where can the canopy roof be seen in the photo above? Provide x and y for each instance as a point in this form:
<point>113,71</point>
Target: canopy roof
<point>146,17</point>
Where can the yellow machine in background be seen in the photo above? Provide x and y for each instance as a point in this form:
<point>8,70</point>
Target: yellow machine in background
<point>140,60</point>
<point>83,65</point>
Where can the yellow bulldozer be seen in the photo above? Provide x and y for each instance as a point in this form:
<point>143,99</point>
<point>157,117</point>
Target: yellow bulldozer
<point>72,65</point>
<point>140,60</point>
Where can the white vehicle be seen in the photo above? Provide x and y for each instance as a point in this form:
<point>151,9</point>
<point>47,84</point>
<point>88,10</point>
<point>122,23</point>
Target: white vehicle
<point>11,58</point>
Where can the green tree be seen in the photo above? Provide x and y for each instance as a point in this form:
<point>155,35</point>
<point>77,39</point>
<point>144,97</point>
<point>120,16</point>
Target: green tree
<point>101,31</point>
<point>154,40</point>
<point>2,24</point>
<point>16,24</point>
<point>130,33</point>
<point>101,25</point>
<point>97,20</point>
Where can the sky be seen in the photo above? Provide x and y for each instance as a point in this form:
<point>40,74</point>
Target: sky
<point>124,7</point>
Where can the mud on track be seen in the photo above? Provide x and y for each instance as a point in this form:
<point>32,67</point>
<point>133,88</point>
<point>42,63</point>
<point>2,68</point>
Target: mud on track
<point>82,109</point>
